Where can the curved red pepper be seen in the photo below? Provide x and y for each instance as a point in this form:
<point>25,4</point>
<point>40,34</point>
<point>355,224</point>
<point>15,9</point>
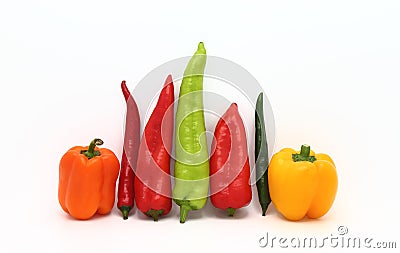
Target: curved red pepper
<point>152,177</point>
<point>129,154</point>
<point>229,163</point>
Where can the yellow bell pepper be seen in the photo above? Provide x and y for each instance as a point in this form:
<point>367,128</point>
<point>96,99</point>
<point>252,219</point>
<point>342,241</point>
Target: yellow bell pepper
<point>302,183</point>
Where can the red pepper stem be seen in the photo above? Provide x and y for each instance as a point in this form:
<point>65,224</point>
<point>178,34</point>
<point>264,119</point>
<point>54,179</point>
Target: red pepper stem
<point>90,153</point>
<point>125,211</point>
<point>183,213</point>
<point>154,213</point>
<point>305,150</point>
<point>231,211</point>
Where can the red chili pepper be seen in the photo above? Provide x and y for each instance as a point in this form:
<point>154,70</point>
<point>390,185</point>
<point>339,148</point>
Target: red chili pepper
<point>229,163</point>
<point>129,154</point>
<point>152,178</point>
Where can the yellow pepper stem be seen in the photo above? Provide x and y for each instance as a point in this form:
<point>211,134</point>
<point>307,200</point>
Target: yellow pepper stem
<point>305,150</point>
<point>304,155</point>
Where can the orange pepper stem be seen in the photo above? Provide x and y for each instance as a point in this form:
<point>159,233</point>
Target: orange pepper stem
<point>304,155</point>
<point>90,152</point>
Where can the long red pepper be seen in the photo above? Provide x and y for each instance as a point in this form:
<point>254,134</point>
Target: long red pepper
<point>229,163</point>
<point>129,154</point>
<point>152,178</point>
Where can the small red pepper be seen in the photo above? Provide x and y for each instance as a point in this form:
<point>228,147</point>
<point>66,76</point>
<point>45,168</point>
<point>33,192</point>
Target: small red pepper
<point>229,163</point>
<point>152,177</point>
<point>129,154</point>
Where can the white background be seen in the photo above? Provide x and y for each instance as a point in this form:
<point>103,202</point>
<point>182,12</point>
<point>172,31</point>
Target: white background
<point>330,68</point>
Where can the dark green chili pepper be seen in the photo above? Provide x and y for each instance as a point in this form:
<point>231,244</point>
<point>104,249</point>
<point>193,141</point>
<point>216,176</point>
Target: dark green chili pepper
<point>261,155</point>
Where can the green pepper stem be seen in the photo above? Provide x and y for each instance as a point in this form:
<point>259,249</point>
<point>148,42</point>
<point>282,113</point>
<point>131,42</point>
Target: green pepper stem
<point>183,213</point>
<point>90,153</point>
<point>305,150</point>
<point>231,211</point>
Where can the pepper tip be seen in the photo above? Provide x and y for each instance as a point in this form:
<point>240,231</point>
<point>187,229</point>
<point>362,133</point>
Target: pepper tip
<point>260,97</point>
<point>264,209</point>
<point>168,80</point>
<point>123,85</point>
<point>201,49</point>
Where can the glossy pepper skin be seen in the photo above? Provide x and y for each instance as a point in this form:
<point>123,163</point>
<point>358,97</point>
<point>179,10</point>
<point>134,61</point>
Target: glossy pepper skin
<point>261,155</point>
<point>229,163</point>
<point>152,178</point>
<point>87,179</point>
<point>192,165</point>
<point>129,155</point>
<point>302,183</point>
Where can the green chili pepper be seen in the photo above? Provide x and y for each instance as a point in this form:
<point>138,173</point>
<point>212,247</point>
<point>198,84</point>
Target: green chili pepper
<point>261,155</point>
<point>192,165</point>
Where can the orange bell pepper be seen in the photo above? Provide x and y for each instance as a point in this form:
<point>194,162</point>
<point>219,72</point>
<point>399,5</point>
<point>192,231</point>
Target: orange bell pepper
<point>302,183</point>
<point>87,179</point>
